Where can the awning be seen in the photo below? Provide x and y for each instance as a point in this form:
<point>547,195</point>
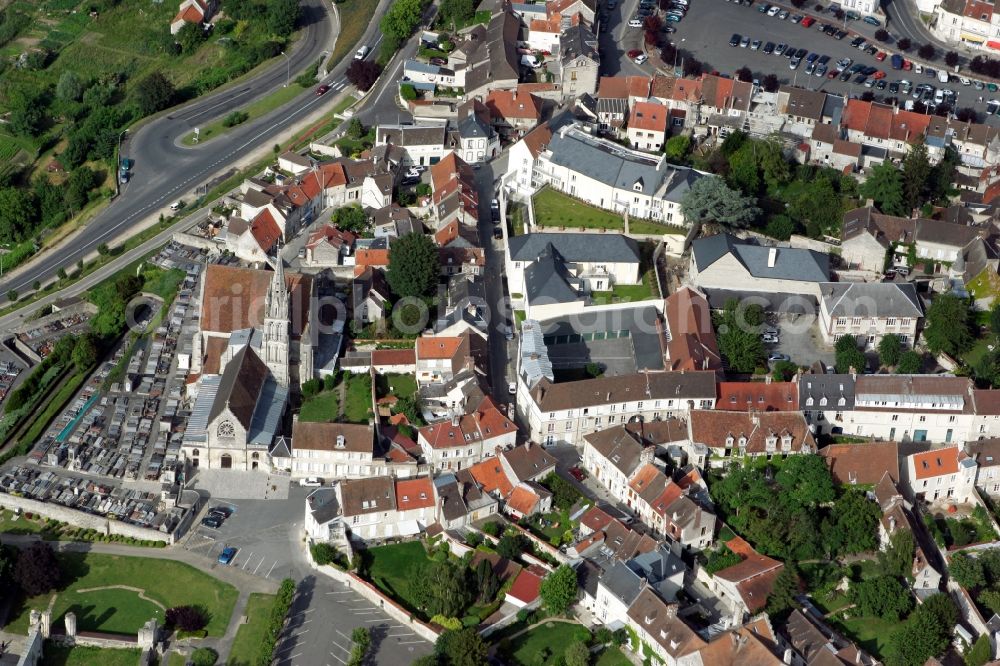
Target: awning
<point>408,527</point>
<point>969,37</point>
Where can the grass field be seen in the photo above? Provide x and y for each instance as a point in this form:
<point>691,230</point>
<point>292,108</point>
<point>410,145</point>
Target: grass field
<point>551,638</point>
<point>612,656</point>
<point>249,635</point>
<point>390,567</point>
<point>58,655</point>
<point>164,582</point>
<point>555,209</point>
<point>871,633</point>
<point>358,403</point>
<point>626,293</point>
<point>646,227</point>
<point>320,408</point>
<point>397,385</point>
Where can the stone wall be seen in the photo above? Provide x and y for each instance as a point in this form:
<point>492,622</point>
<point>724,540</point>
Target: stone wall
<point>84,520</point>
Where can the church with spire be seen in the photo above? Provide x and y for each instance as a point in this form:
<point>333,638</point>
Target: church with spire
<point>253,348</point>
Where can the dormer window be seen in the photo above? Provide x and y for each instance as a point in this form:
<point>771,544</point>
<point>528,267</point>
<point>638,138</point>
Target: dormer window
<point>772,443</point>
<point>822,401</point>
<point>809,401</point>
<point>786,442</point>
<point>729,440</point>
<point>743,442</point>
<point>637,187</point>
<point>841,402</point>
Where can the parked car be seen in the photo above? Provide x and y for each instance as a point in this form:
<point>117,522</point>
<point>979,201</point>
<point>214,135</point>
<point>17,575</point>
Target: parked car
<point>577,473</point>
<point>212,521</point>
<point>744,42</point>
<point>780,49</point>
<point>440,62</point>
<point>808,21</point>
<point>768,48</point>
<point>221,510</point>
<point>783,14</point>
<point>227,555</point>
<point>735,39</point>
<point>641,58</point>
<point>635,22</point>
<point>871,20</point>
<point>880,56</point>
<point>409,181</point>
<point>498,233</point>
<point>778,357</point>
<point>755,45</point>
<point>796,18</point>
<point>840,34</point>
<point>769,339</point>
<point>311,482</point>
<point>512,388</point>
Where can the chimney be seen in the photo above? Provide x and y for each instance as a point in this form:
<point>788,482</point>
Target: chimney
<point>454,420</point>
<point>772,256</point>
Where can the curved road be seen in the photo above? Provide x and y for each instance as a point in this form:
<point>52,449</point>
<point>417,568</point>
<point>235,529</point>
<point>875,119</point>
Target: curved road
<point>165,170</point>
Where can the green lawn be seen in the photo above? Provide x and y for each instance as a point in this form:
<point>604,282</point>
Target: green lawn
<point>627,293</point>
<point>978,351</point>
<point>871,633</point>
<point>555,209</point>
<point>358,403</point>
<point>20,525</point>
<point>320,408</point>
<point>122,611</point>
<point>397,385</point>
<point>559,522</point>
<point>248,636</point>
<point>389,568</point>
<point>646,227</point>
<point>58,655</point>
<point>612,656</point>
<point>548,639</point>
<point>985,284</point>
<point>255,110</point>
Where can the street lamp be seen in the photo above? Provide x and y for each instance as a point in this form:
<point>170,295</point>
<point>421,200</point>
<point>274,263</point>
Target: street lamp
<point>288,68</point>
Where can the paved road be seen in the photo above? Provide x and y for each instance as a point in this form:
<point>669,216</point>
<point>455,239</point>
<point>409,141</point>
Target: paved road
<point>166,171</point>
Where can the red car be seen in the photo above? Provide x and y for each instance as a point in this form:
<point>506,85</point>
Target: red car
<point>907,65</point>
<point>880,56</point>
<point>577,473</point>
<point>879,74</point>
<point>833,73</point>
<point>322,90</point>
<point>808,21</point>
<point>634,52</point>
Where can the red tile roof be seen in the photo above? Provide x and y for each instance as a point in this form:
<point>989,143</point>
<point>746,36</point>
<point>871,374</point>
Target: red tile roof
<point>507,104</point>
<point>233,298</point>
<point>490,475</point>
<point>537,139</point>
<point>190,14</point>
<point>414,493</point>
<point>648,116</point>
<point>265,230</point>
<point>692,345</point>
<point>525,587</point>
<point>764,397</point>
<point>383,357</point>
<point>438,347</point>
<point>330,234</point>
<point>523,501</point>
<point>862,463</point>
<point>937,462</point>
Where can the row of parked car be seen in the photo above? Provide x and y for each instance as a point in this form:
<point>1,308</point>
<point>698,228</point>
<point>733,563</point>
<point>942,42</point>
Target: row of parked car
<point>673,12</point>
<point>216,516</point>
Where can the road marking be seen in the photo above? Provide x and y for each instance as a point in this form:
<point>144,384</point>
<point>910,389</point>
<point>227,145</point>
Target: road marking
<point>337,658</point>
<point>408,633</point>
<point>249,557</point>
<point>342,634</point>
<point>411,642</point>
<point>271,569</point>
<point>378,619</point>
<point>258,565</point>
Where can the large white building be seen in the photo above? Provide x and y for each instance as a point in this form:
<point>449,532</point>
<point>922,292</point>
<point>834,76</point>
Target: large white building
<point>568,411</point>
<point>600,172</point>
<point>869,311</point>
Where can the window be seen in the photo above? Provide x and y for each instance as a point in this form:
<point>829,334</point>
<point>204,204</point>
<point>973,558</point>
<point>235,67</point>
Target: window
<point>890,322</point>
<point>895,417</point>
<point>552,427</point>
<point>923,419</point>
<point>569,426</point>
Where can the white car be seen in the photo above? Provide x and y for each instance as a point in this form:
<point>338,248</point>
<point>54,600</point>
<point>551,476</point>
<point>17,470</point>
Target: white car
<point>361,53</point>
<point>641,58</point>
<point>176,205</point>
<point>512,388</point>
<point>311,482</point>
<point>965,81</point>
<point>413,172</point>
<point>494,204</point>
<point>635,23</point>
<point>918,68</point>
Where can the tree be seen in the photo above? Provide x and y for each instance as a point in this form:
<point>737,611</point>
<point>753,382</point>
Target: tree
<point>781,601</point>
<point>692,66</point>
<point>770,83</point>
<point>441,588</point>
<point>925,634</point>
<point>456,11</point>
<point>910,363</point>
<point>37,570</point>
<point>414,265</point>
<point>282,15</point>
<point>744,74</point>
<point>882,35</point>
<point>27,111</point>
<point>883,596</point>
<point>577,654</point>
<point>721,558</point>
<point>70,86</point>
<point>559,589</point>
<point>204,656</point>
<point>18,213</point>
<point>890,349</point>
<point>355,128</point>
<point>739,341</point>
<point>783,371</point>
<point>464,647</point>
<point>780,227</point>
<point>854,523</point>
<point>951,59</point>
<point>709,199</point>
<point>512,544</point>
<point>979,653</point>
<point>848,355</point>
<point>85,352</point>
<point>927,51</point>
<point>806,480</point>
<point>885,185</point>
<point>678,147</point>
<point>819,205</point>
<point>966,114</point>
<point>744,173</point>
<point>153,93</point>
<point>363,73</point>
<point>967,571</point>
<point>190,37</point>
<point>916,171</point>
<point>948,328</point>
<point>903,43</point>
<point>350,218</point>
<point>186,618</point>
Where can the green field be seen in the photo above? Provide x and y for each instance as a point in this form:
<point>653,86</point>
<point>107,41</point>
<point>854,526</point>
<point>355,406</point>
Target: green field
<point>358,403</point>
<point>58,655</point>
<point>248,637</point>
<point>164,582</point>
<point>389,568</point>
<point>555,209</point>
<point>870,633</point>
<point>646,227</point>
<point>611,656</point>
<point>320,408</point>
<point>397,385</point>
<point>549,639</point>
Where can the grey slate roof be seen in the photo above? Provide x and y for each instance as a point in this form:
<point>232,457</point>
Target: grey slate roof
<point>833,388</point>
<point>471,127</point>
<point>880,299</point>
<point>622,582</point>
<point>411,135</point>
<point>641,322</point>
<point>613,248</point>
<point>578,40</point>
<point>548,279</point>
<point>323,504</point>
<point>790,264</point>
<point>609,163</point>
<point>619,446</point>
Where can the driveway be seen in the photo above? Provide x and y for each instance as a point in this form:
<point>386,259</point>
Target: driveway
<point>801,340</point>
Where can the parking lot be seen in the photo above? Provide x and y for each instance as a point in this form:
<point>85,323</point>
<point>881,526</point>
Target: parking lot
<point>268,542</point>
<point>706,30</point>
<point>801,340</point>
<point>321,621</point>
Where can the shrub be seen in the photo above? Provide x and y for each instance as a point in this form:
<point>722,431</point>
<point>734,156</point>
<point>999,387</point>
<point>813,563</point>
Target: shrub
<point>204,657</point>
<point>186,618</point>
<point>324,553</point>
<point>235,118</point>
<point>492,528</point>
<point>447,622</point>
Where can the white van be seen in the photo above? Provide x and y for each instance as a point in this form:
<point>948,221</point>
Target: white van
<point>530,61</point>
<point>942,76</point>
<point>175,205</point>
<point>361,53</point>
